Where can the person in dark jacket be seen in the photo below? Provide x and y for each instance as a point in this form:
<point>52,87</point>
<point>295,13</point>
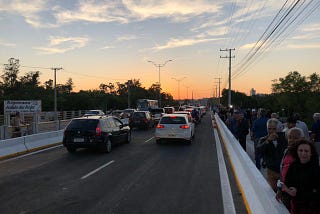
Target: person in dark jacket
<point>302,181</point>
<point>239,126</point>
<point>272,147</point>
<point>257,131</point>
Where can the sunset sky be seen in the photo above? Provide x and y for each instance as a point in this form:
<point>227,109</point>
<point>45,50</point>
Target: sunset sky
<point>102,41</point>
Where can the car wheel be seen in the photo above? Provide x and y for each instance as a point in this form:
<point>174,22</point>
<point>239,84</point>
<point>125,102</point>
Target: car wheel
<point>158,141</point>
<point>189,142</point>
<point>71,149</point>
<point>107,146</point>
<point>128,137</point>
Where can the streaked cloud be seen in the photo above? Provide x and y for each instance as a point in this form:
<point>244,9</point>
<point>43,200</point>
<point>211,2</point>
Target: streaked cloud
<point>6,44</point>
<point>63,44</point>
<point>127,37</point>
<point>29,9</point>
<point>175,43</point>
<point>304,46</point>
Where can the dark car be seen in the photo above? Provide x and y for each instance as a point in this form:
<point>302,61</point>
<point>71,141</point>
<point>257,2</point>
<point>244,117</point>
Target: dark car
<point>157,113</point>
<point>94,112</point>
<point>100,132</point>
<point>141,119</point>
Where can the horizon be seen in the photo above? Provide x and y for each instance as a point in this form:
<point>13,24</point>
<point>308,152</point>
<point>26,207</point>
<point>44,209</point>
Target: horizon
<point>105,41</point>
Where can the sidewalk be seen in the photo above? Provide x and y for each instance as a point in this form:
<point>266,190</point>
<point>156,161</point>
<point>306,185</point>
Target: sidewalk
<point>250,152</point>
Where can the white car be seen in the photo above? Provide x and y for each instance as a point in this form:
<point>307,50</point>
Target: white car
<point>174,127</point>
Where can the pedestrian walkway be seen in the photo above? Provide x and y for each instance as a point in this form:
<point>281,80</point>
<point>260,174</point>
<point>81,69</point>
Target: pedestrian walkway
<point>250,152</point>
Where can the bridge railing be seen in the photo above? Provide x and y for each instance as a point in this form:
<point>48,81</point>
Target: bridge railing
<point>256,192</point>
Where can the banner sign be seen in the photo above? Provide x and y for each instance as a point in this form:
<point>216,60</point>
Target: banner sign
<point>25,106</point>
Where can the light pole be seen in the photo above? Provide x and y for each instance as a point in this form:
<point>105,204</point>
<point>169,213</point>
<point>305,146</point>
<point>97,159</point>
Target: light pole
<point>55,92</point>
<point>179,80</point>
<point>159,67</point>
<point>187,91</point>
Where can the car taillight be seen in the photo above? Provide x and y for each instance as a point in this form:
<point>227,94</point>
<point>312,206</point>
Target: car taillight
<point>159,126</point>
<point>98,131</point>
<point>184,126</point>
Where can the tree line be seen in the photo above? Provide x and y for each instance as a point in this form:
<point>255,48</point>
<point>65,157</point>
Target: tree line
<point>14,86</point>
<point>293,93</point>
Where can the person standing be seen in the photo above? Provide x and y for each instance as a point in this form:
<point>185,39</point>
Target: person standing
<point>294,135</point>
<point>257,131</point>
<point>272,148</point>
<point>302,181</point>
<point>239,126</point>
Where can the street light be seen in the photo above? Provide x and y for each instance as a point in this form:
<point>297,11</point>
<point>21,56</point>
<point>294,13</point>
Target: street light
<point>159,66</point>
<point>178,80</point>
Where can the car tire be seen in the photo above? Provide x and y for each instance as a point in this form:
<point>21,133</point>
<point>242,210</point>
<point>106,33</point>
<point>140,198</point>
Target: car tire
<point>107,146</point>
<point>159,141</point>
<point>71,149</point>
<point>128,138</point>
<point>189,142</point>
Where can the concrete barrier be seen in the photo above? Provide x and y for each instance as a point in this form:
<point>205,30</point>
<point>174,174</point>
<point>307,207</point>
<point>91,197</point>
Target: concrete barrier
<point>256,192</point>
<point>43,139</point>
<point>13,146</point>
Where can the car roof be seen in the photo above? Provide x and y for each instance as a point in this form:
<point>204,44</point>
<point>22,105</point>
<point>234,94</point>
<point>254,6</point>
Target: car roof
<point>174,115</point>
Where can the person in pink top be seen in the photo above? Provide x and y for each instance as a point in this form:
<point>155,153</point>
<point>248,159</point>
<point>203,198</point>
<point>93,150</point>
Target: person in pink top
<point>294,134</point>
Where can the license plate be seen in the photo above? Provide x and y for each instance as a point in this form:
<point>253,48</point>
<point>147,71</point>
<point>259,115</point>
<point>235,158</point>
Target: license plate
<point>171,135</point>
<point>78,140</point>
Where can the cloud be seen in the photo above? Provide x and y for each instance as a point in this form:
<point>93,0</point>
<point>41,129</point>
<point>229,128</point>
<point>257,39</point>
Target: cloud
<point>2,43</point>
<point>178,10</point>
<point>174,43</point>
<point>127,38</point>
<point>63,44</point>
<point>129,11</point>
<point>93,11</point>
<point>29,9</point>
<point>304,46</point>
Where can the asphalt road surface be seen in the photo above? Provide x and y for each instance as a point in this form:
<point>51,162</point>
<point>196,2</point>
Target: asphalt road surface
<point>140,177</point>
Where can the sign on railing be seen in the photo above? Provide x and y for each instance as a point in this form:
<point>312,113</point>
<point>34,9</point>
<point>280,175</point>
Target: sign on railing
<point>24,106</point>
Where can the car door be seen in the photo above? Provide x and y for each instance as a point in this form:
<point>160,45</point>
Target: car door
<point>114,133</point>
<point>123,130</point>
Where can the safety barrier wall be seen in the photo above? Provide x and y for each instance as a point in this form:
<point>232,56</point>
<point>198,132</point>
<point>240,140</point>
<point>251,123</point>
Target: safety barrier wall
<point>30,142</point>
<point>257,194</point>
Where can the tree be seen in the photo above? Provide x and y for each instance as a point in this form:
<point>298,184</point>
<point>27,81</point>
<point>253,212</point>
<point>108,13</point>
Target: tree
<point>48,84</point>
<point>11,70</point>
<point>293,83</point>
<point>69,85</point>
<point>31,79</point>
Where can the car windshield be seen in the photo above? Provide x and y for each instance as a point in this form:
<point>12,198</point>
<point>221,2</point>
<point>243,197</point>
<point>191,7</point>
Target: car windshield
<point>83,124</point>
<point>173,120</point>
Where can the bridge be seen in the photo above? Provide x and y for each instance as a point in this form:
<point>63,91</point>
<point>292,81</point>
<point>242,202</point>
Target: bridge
<point>213,175</point>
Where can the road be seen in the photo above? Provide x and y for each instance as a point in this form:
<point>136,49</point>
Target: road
<point>140,177</point>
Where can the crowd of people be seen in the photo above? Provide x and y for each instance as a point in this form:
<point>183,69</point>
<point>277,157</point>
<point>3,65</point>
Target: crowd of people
<point>288,152</point>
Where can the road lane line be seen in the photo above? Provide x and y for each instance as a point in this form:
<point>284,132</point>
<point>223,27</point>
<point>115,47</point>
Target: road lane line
<point>148,140</point>
<point>96,170</point>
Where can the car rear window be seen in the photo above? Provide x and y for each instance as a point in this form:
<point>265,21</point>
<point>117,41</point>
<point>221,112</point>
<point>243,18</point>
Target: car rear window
<point>139,115</point>
<point>173,120</point>
<point>157,111</point>
<point>83,124</point>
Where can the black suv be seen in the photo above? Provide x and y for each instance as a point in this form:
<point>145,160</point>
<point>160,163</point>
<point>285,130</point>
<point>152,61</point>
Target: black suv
<point>141,119</point>
<point>100,132</point>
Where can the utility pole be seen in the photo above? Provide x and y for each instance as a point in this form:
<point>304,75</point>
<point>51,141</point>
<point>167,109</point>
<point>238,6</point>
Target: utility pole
<point>55,92</point>
<point>230,57</point>
<point>219,88</point>
<point>159,66</point>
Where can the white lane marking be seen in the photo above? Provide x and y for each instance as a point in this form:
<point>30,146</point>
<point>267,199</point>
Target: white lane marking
<point>148,140</point>
<point>228,204</point>
<point>32,153</point>
<point>96,170</point>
